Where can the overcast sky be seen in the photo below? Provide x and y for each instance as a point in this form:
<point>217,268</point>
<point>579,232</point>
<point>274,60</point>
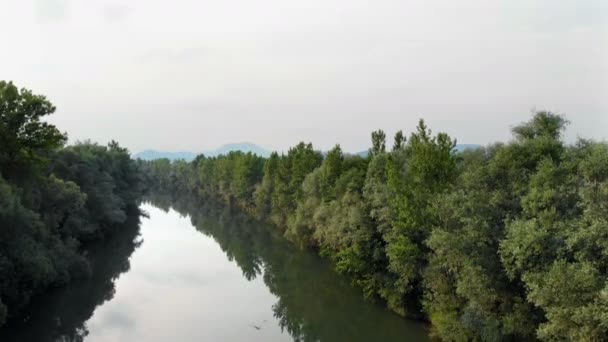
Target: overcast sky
<point>193,75</point>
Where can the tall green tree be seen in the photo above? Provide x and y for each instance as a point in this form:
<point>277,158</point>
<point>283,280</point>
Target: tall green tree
<point>378,143</point>
<point>425,169</point>
<point>399,141</point>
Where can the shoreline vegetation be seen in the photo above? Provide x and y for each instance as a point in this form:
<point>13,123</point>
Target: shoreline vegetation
<point>55,200</point>
<point>314,303</point>
<point>504,242</point>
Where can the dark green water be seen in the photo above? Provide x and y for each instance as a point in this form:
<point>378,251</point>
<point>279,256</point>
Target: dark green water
<point>198,273</point>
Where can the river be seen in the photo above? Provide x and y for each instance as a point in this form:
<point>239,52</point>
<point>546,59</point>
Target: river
<point>202,273</point>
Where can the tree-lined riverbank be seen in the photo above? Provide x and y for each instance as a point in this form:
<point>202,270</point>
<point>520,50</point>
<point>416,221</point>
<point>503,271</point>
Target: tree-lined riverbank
<point>54,199</point>
<point>506,241</point>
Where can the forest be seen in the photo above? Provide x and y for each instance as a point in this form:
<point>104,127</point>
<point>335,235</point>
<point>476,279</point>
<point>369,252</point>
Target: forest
<point>504,242</point>
<point>55,200</point>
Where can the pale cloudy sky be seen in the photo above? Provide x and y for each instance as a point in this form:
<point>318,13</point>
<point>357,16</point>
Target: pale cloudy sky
<point>192,75</point>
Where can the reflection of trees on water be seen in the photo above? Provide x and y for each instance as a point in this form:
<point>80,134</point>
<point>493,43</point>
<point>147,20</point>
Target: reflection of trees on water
<point>315,304</point>
<point>61,314</point>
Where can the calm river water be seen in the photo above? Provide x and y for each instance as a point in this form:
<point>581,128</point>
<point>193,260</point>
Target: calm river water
<point>195,273</point>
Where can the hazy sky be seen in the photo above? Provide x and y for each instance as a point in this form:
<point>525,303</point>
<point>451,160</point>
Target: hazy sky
<point>192,75</point>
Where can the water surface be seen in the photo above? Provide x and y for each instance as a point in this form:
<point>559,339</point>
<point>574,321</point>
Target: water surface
<point>203,273</point>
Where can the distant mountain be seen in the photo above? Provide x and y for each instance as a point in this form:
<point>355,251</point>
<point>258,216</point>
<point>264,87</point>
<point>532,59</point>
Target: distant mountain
<point>189,156</point>
<point>152,154</point>
<point>362,154</point>
<point>243,147</point>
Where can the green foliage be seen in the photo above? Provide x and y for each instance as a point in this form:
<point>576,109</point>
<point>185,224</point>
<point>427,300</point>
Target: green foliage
<point>508,242</point>
<point>378,143</point>
<point>23,135</point>
<point>417,174</point>
<point>399,141</point>
<point>330,171</point>
<point>53,200</point>
<point>467,293</point>
<point>377,194</point>
<point>309,211</point>
<point>264,190</point>
<point>544,125</point>
<point>574,297</point>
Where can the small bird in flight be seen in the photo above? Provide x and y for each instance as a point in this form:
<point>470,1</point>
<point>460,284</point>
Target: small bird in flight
<point>257,327</point>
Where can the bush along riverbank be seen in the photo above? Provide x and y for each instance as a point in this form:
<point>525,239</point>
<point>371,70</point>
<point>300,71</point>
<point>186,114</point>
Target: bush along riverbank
<point>509,241</point>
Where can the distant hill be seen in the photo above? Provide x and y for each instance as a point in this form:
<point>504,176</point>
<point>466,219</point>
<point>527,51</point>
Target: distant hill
<point>362,154</point>
<point>152,154</point>
<point>243,147</point>
<point>189,156</point>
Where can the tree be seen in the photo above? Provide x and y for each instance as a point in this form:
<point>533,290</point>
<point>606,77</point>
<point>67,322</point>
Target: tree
<point>378,143</point>
<point>330,171</point>
<point>468,295</point>
<point>425,169</point>
<point>264,190</point>
<point>399,141</point>
<point>23,136</point>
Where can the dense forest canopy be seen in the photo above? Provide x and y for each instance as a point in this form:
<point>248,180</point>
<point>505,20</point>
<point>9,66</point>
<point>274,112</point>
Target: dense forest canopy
<point>53,199</point>
<point>508,241</point>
